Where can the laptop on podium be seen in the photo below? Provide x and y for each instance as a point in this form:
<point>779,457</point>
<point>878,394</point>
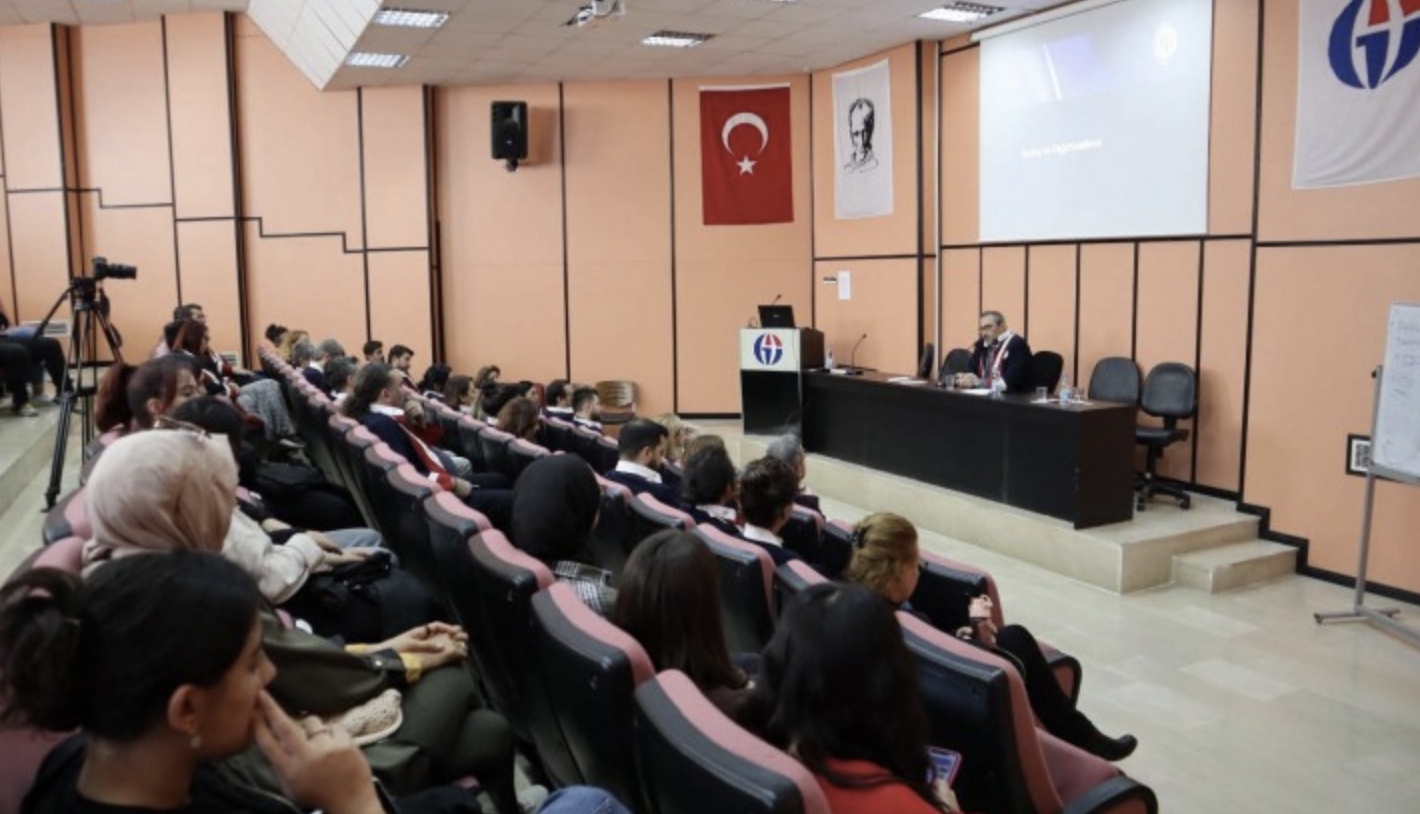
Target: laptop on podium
<point>776,316</point>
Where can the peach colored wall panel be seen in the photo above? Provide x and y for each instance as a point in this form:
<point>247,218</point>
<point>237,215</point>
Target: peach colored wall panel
<point>1106,302</point>
<point>1363,211</point>
<point>399,304</point>
<point>883,293</point>
<point>1003,283</point>
<point>396,193</point>
<point>1167,315</point>
<point>929,172</point>
<point>961,147</point>
<point>618,183</point>
<point>1222,362</point>
<point>306,283</point>
<point>1051,293</point>
<point>1297,433</point>
<point>201,120</point>
<point>299,147</point>
<point>7,270</point>
<point>631,341</point>
<point>1233,111</point>
<point>28,98</point>
<point>723,272</point>
<point>207,256</point>
<point>501,237</point>
<point>121,112</point>
<point>37,244</point>
<point>888,234</point>
<point>142,238</point>
<point>961,297</point>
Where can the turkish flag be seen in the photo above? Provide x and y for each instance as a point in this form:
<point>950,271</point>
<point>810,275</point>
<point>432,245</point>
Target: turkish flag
<point>746,167</point>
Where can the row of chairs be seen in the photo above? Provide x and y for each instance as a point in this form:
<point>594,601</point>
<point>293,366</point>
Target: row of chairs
<point>580,692</point>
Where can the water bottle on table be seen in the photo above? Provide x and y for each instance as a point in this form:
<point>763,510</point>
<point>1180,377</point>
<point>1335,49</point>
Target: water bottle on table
<point>1066,392</point>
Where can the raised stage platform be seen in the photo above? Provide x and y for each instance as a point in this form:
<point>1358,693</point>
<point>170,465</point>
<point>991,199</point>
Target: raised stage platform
<point>1211,546</point>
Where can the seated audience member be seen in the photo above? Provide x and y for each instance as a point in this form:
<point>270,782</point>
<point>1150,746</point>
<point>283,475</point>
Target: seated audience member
<point>326,352</point>
<point>402,359</point>
<point>767,489</point>
<point>281,495</point>
<point>261,398</point>
<point>709,489</point>
<point>586,408</point>
<point>44,355</point>
<point>559,400</point>
<point>275,333</point>
<point>531,391</point>
<point>789,449</point>
<point>678,436</point>
<point>459,394</point>
<point>700,442</point>
<point>131,398</point>
<point>669,601</point>
<point>373,351</point>
<point>641,444</point>
<point>443,737</point>
<point>289,341</point>
<point>839,689</point>
<point>191,311</point>
<point>377,402</point>
<point>555,504</point>
<point>491,400</point>
<point>488,374</point>
<point>435,378</point>
<point>339,376</point>
<point>519,418</point>
<point>999,355</point>
<point>303,358</point>
<point>885,560</point>
<point>158,661</point>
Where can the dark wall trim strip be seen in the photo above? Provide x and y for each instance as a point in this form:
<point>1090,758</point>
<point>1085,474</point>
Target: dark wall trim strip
<point>814,259</point>
<point>1197,363</point>
<point>675,309</point>
<point>364,211</point>
<point>566,252</point>
<point>431,226</point>
<point>848,258</point>
<point>57,40</point>
<point>1252,251</point>
<point>1025,295</point>
<point>172,161</point>
<point>1075,359</point>
<point>1098,240</point>
<point>1322,244</point>
<point>14,313</point>
<point>238,229</point>
<point>919,58</point>
<point>712,416</point>
<point>1134,311</point>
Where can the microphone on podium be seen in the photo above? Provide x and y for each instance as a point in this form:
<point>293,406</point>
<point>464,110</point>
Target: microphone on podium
<point>853,369</point>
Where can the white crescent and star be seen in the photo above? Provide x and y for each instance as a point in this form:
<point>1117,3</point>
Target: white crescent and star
<point>746,163</point>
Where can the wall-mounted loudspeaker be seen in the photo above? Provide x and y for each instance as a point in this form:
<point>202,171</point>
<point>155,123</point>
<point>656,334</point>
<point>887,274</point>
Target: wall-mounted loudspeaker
<point>510,132</point>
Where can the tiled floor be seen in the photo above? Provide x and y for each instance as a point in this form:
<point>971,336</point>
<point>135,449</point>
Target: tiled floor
<point>1240,701</point>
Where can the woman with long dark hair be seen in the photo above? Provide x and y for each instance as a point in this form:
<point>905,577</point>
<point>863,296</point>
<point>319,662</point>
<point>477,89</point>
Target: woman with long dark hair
<point>669,601</point>
<point>839,690</point>
<point>158,661</point>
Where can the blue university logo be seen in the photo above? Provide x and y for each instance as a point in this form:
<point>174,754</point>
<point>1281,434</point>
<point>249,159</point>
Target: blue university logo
<point>768,349</point>
<point>1385,38</point>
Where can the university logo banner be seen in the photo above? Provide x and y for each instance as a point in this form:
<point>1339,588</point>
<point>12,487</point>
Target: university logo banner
<point>746,170</point>
<point>862,142</point>
<point>1358,92</point>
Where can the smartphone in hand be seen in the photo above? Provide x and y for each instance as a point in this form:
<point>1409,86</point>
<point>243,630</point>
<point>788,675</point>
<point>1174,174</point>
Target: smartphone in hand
<point>945,763</point>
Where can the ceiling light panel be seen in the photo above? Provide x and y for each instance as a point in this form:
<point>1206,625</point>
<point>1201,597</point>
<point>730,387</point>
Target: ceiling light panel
<point>363,59</point>
<point>961,13</point>
<point>674,39</point>
<point>410,18</point>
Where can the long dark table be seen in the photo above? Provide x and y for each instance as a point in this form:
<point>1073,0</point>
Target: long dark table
<point>1075,463</point>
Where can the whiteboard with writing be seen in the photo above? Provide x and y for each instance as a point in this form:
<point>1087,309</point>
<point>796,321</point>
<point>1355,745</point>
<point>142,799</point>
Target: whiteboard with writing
<point>1395,448</point>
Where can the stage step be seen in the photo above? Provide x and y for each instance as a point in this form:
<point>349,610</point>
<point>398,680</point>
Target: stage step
<point>1224,568</point>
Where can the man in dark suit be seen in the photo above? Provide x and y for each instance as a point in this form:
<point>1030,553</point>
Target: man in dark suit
<point>710,491</point>
<point>641,445</point>
<point>767,490</point>
<point>999,355</point>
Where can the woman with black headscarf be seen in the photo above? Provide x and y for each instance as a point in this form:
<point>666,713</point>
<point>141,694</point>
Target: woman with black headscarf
<point>555,504</point>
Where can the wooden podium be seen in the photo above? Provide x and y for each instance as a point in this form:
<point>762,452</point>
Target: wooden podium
<point>772,364</point>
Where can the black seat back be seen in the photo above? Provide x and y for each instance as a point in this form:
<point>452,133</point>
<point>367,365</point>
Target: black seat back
<point>1046,367</point>
<point>957,360</point>
<point>1115,378</point>
<point>1171,392</point>
<point>924,362</point>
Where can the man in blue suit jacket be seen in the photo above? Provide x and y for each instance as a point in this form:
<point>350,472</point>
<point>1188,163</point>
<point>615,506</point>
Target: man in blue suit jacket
<point>641,445</point>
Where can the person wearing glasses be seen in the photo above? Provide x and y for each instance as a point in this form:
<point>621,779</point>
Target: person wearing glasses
<point>999,355</point>
<point>885,560</point>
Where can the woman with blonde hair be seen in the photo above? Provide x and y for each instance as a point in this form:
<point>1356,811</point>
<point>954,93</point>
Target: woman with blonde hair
<point>289,340</point>
<point>678,436</point>
<point>886,561</point>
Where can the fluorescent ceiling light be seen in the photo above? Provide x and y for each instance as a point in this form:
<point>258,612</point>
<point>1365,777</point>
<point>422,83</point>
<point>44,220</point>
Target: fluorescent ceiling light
<point>361,59</point>
<point>674,39</point>
<point>410,18</point>
<point>961,13</point>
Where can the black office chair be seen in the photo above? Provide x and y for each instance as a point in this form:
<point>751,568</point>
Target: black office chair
<point>958,360</point>
<point>1170,393</point>
<point>1047,365</point>
<point>1115,378</point>
<point>924,365</point>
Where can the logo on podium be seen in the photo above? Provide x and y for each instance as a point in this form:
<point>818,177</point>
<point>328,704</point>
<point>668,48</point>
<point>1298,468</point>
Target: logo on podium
<point>768,349</point>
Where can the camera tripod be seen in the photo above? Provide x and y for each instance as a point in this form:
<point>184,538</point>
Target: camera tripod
<point>89,307</point>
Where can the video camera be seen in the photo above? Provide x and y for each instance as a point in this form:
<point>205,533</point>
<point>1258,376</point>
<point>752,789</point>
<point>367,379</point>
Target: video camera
<point>104,270</point>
